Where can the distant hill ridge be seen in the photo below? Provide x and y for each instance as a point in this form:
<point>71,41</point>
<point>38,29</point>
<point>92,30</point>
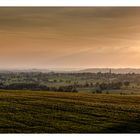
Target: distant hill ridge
<point>89,70</point>
<point>113,70</point>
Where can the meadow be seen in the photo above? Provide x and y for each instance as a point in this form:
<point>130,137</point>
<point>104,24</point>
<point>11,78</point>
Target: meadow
<point>58,112</point>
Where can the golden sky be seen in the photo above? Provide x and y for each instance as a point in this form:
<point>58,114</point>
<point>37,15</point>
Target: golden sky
<point>69,37</point>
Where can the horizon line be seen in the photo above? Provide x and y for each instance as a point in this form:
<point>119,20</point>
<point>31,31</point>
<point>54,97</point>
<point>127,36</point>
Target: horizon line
<point>74,68</point>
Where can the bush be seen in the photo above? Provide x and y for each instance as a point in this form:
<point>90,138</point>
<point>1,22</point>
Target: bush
<point>107,92</point>
<point>98,91</point>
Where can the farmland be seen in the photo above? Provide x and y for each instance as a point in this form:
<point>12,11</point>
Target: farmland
<point>58,112</point>
<point>128,83</point>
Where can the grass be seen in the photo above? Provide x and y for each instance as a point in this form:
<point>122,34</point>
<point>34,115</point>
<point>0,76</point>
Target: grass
<point>51,112</point>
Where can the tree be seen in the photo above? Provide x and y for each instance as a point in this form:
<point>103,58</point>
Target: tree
<point>126,83</point>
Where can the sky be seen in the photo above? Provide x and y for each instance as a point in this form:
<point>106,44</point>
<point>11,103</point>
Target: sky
<point>96,37</point>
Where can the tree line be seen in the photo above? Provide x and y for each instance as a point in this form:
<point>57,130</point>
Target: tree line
<point>37,86</point>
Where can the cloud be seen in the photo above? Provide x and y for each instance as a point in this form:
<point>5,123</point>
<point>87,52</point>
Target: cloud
<point>70,36</point>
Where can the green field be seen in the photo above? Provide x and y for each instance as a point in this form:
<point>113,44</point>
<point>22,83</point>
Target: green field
<point>51,112</point>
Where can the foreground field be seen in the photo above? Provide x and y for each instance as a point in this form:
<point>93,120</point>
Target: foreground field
<point>47,112</point>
